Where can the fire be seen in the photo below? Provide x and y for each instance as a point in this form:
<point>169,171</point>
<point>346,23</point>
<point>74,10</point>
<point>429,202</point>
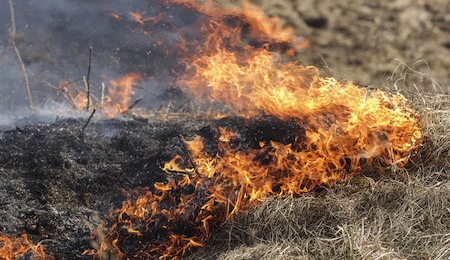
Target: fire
<point>270,26</point>
<point>240,31</point>
<point>340,118</point>
<point>120,94</point>
<point>115,15</point>
<point>76,96</point>
<point>12,247</point>
<point>243,63</point>
<point>116,102</point>
<point>143,21</point>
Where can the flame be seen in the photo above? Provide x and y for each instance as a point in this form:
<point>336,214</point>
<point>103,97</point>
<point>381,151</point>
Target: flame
<point>115,15</point>
<point>243,63</point>
<point>244,30</point>
<point>270,26</point>
<point>12,247</point>
<point>120,94</point>
<point>77,97</point>
<point>140,18</point>
<point>340,118</point>
<point>115,103</point>
<point>241,31</point>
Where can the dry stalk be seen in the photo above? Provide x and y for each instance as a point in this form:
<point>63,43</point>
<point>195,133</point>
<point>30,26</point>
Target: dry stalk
<point>188,153</point>
<point>88,79</point>
<point>405,78</point>
<point>12,35</point>
<point>102,99</point>
<point>87,122</point>
<point>132,106</point>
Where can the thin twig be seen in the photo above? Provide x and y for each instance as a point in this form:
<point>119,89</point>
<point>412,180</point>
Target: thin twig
<point>132,105</point>
<point>102,99</point>
<point>63,91</point>
<point>88,77</point>
<point>12,35</point>
<point>87,122</point>
<point>180,107</point>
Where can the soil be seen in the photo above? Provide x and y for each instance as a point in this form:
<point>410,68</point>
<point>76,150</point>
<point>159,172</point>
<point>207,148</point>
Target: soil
<point>360,40</point>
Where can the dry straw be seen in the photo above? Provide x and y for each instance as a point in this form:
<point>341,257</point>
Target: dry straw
<point>388,213</point>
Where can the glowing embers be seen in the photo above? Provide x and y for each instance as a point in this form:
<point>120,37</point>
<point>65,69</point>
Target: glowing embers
<point>12,247</point>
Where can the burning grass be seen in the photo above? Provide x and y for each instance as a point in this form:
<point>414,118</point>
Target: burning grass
<point>275,170</point>
<point>342,127</point>
<point>384,213</point>
<point>12,247</point>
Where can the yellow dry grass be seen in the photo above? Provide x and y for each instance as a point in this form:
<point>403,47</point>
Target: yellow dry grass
<point>384,213</point>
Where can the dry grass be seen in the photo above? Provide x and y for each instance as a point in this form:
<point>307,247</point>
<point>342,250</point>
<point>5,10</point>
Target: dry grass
<point>382,214</point>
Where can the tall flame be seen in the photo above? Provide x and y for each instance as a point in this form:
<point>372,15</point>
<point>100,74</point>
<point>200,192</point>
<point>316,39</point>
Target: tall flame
<point>340,118</point>
<point>240,66</point>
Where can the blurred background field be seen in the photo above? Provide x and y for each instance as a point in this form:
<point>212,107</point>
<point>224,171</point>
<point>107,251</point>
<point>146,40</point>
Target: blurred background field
<point>361,40</point>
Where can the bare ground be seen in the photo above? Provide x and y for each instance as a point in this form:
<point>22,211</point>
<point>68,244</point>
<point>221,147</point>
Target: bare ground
<point>359,40</point>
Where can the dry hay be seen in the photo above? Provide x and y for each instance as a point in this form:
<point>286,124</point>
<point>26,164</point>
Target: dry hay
<point>388,213</point>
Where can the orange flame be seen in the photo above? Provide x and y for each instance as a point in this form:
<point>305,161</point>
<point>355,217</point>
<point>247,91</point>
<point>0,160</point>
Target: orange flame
<point>241,31</point>
<point>344,126</point>
<point>77,97</point>
<point>120,94</point>
<point>340,118</point>
<point>12,247</point>
<point>140,19</point>
<point>115,15</point>
<point>116,102</point>
<point>270,26</point>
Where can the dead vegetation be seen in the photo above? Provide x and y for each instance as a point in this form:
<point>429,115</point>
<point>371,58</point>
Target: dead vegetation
<point>402,216</point>
<point>388,213</point>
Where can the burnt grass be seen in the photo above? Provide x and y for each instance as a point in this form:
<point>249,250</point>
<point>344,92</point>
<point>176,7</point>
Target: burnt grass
<point>59,182</point>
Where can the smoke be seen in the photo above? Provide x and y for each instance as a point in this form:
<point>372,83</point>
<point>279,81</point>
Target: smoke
<point>54,37</point>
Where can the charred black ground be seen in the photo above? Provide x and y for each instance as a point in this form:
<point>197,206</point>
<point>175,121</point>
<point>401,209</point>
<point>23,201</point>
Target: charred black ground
<point>58,183</point>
